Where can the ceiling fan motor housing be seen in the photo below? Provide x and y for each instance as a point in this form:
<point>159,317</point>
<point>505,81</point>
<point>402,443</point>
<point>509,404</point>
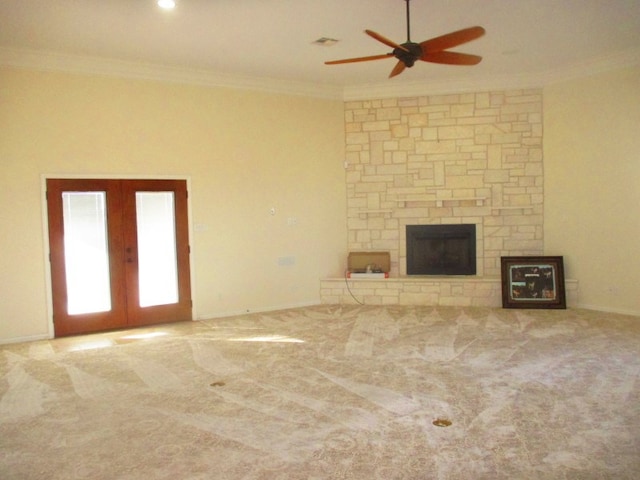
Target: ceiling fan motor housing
<point>409,56</point>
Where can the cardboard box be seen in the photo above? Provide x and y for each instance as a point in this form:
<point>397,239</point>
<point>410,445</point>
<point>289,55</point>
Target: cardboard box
<point>378,262</point>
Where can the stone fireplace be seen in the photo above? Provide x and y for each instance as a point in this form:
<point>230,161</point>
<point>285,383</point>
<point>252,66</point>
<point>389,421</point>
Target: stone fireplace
<point>469,158</point>
<point>472,158</point>
<point>441,249</point>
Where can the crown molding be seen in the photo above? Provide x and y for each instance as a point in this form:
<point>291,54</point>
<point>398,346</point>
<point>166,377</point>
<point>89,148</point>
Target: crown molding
<point>91,65</point>
<point>51,61</point>
<point>415,89</point>
<point>593,66</point>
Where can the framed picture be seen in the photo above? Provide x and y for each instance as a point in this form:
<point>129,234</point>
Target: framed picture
<point>532,282</point>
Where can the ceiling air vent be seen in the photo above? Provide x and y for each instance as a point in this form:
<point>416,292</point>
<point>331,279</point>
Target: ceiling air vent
<point>325,41</point>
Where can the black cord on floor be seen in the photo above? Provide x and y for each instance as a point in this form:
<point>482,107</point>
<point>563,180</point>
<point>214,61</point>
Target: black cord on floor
<point>346,282</point>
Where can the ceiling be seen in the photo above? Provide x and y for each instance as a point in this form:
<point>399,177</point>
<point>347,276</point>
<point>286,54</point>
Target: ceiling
<point>270,41</point>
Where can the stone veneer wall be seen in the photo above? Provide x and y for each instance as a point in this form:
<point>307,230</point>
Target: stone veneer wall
<point>465,158</point>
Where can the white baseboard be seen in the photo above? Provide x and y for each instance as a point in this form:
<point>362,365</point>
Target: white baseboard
<point>31,338</point>
<point>599,308</point>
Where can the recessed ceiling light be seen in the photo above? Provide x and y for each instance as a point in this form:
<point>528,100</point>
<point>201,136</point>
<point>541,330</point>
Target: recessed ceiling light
<point>167,4</point>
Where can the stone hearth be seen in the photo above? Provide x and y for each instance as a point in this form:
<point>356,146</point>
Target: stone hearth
<point>445,291</point>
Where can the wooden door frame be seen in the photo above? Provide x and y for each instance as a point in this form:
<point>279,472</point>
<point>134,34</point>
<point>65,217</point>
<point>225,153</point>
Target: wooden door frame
<point>45,229</point>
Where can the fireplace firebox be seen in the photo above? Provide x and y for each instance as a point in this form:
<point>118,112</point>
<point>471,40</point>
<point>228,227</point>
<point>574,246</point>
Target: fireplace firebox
<point>441,249</point>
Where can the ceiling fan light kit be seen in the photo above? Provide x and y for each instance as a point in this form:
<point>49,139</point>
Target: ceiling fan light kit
<point>434,50</point>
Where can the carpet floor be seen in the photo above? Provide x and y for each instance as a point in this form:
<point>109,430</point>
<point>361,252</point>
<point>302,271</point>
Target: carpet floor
<point>331,392</point>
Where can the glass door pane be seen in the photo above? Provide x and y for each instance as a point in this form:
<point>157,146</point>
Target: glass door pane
<point>86,252</point>
<point>157,262</point>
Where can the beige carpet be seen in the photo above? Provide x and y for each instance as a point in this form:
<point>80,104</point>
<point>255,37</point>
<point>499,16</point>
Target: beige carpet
<point>331,392</point>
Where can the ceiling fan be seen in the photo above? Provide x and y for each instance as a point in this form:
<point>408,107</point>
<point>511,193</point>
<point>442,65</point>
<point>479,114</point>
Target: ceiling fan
<point>433,50</point>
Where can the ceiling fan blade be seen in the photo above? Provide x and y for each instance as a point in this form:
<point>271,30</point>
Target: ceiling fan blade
<point>398,69</point>
<point>451,58</point>
<point>452,39</point>
<point>386,41</point>
<point>359,59</point>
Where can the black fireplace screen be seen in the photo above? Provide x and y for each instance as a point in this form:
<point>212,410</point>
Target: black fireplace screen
<point>441,249</point>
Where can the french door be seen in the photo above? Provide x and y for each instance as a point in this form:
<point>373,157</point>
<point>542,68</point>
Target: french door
<point>119,252</point>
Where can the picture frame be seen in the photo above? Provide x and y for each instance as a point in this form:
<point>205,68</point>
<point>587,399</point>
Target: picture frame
<point>533,282</point>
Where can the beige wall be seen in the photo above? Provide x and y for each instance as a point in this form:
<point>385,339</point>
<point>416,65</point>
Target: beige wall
<point>592,185</point>
<point>244,153</point>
